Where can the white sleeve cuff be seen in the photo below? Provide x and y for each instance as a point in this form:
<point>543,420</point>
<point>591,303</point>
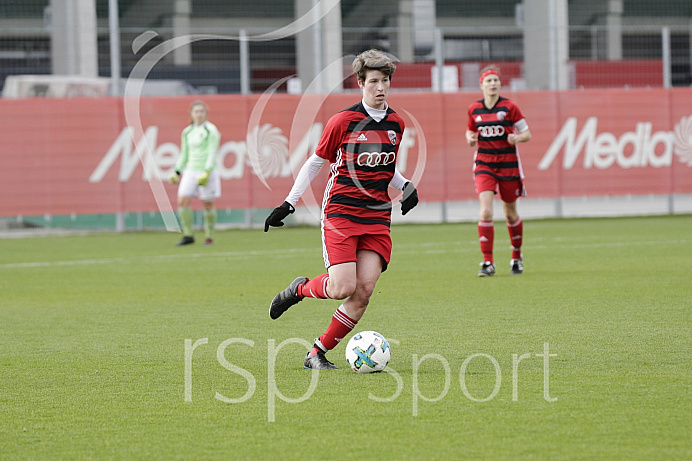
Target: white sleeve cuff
<point>398,180</point>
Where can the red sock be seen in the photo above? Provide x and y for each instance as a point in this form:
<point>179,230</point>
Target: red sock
<point>486,236</point>
<point>315,288</point>
<point>516,234</point>
<point>341,326</point>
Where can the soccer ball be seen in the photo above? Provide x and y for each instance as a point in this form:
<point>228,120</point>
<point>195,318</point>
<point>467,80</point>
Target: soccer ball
<point>368,352</point>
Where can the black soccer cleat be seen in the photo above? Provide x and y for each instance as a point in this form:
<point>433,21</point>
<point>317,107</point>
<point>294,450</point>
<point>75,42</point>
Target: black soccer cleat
<point>516,266</point>
<point>286,299</point>
<point>186,240</point>
<point>487,269</point>
<point>318,362</point>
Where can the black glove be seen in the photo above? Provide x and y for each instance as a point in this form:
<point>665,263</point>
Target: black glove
<point>277,216</point>
<point>410,198</point>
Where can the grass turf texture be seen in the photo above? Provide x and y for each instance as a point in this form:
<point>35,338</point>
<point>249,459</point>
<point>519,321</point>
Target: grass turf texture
<point>92,350</point>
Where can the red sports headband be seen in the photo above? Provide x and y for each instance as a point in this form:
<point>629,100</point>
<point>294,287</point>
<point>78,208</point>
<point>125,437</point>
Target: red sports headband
<point>488,72</point>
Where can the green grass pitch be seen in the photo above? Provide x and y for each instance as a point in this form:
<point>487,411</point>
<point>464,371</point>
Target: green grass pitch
<point>587,355</point>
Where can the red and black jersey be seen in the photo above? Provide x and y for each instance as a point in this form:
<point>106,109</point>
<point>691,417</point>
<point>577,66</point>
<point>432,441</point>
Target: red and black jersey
<point>495,156</point>
<point>362,153</point>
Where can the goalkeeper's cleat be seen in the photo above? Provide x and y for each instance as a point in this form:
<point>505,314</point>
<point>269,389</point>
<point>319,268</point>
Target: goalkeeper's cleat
<point>516,266</point>
<point>487,269</point>
<point>286,299</point>
<point>186,240</point>
<point>318,362</point>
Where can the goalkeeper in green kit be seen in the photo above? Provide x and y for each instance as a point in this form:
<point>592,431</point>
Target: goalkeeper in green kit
<point>196,172</point>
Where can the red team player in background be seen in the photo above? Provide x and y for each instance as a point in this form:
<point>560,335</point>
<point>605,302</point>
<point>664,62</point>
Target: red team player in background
<point>361,145</point>
<point>496,124</point>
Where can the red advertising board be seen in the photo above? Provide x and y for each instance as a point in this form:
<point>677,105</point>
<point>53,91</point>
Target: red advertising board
<point>86,156</point>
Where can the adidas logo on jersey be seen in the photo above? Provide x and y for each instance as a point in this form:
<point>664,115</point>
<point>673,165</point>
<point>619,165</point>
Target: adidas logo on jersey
<point>361,137</point>
<point>479,118</point>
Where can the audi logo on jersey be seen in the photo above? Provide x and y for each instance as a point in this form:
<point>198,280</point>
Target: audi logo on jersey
<point>375,158</point>
<point>491,131</point>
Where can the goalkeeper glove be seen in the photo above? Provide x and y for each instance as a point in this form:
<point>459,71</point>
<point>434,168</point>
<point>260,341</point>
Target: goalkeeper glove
<point>175,178</point>
<point>203,179</point>
<point>410,198</point>
<point>277,216</point>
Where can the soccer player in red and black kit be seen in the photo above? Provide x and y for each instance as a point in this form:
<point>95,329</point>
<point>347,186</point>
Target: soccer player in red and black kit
<point>361,145</point>
<point>496,124</point>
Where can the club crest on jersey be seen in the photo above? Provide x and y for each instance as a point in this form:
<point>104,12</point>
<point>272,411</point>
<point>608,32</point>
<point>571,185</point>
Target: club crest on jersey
<point>501,115</point>
<point>392,137</point>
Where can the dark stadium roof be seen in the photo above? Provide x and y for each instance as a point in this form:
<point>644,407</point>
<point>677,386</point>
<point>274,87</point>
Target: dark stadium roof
<point>285,8</point>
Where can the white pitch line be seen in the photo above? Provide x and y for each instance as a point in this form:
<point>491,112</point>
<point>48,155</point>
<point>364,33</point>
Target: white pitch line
<point>406,248</point>
<point>157,258</point>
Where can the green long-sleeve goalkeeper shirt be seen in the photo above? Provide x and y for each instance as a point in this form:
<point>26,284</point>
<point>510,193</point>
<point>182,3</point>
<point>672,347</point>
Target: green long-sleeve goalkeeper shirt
<point>199,145</point>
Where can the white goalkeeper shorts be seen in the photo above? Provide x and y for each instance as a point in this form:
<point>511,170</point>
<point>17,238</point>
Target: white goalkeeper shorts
<point>189,188</point>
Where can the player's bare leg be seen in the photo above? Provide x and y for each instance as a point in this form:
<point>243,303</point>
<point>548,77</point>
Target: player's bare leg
<point>342,280</point>
<point>368,271</point>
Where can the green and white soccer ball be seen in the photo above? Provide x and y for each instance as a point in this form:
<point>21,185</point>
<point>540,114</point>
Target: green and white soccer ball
<point>368,352</point>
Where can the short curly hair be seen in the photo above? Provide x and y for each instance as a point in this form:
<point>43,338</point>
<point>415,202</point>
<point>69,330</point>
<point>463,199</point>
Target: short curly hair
<point>373,60</point>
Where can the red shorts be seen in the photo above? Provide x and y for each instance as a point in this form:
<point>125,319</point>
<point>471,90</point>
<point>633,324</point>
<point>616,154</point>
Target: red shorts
<point>342,238</point>
<point>509,190</point>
